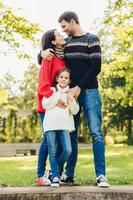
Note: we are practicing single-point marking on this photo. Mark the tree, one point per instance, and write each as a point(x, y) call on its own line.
point(15, 31)
point(8, 82)
point(28, 89)
point(8, 92)
point(13, 28)
point(117, 75)
point(3, 96)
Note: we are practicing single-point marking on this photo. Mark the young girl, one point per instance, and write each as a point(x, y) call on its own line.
point(58, 122)
point(48, 71)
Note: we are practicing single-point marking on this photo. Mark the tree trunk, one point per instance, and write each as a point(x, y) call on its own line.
point(130, 133)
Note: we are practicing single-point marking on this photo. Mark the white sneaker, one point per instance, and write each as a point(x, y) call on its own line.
point(48, 182)
point(65, 179)
point(55, 182)
point(102, 181)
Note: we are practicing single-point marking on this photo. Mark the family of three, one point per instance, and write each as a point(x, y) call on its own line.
point(68, 83)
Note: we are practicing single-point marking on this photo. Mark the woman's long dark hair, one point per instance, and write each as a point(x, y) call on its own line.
point(47, 39)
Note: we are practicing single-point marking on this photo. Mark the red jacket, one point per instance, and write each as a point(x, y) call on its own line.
point(47, 74)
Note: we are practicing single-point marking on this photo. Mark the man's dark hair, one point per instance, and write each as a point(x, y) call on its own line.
point(47, 39)
point(68, 15)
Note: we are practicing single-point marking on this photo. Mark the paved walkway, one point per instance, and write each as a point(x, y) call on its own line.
point(84, 146)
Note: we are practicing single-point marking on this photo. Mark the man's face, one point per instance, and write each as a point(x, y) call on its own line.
point(67, 27)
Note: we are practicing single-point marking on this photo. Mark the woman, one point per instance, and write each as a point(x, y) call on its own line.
point(53, 40)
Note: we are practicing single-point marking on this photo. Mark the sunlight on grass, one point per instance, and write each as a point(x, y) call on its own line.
point(112, 154)
point(85, 156)
point(30, 158)
point(112, 170)
point(27, 168)
point(21, 171)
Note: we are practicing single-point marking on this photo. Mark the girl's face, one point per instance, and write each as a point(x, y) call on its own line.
point(63, 79)
point(59, 40)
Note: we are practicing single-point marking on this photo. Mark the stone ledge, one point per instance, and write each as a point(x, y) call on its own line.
point(67, 193)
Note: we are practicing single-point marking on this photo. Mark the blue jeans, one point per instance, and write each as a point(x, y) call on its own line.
point(57, 161)
point(43, 151)
point(90, 101)
point(71, 163)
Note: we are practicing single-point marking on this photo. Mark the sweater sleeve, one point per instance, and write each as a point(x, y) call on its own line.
point(94, 51)
point(73, 107)
point(44, 85)
point(50, 102)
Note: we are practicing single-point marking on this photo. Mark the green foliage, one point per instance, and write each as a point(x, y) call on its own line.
point(11, 124)
point(84, 134)
point(109, 140)
point(20, 127)
point(28, 88)
point(121, 139)
point(117, 74)
point(3, 96)
point(7, 84)
point(21, 121)
point(13, 28)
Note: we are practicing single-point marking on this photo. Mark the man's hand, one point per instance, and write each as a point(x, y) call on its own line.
point(70, 96)
point(47, 54)
point(61, 104)
point(76, 91)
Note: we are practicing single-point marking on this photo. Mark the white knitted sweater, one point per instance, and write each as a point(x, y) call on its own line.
point(59, 118)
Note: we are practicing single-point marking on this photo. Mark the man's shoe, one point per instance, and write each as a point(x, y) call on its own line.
point(50, 177)
point(102, 181)
point(55, 182)
point(65, 179)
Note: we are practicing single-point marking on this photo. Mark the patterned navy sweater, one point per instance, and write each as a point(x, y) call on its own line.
point(83, 58)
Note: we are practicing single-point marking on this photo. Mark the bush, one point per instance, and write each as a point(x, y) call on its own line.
point(121, 139)
point(109, 140)
point(21, 127)
point(117, 136)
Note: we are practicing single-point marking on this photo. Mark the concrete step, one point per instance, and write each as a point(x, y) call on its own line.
point(67, 193)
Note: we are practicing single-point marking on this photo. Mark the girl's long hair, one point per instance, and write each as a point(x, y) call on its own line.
point(47, 39)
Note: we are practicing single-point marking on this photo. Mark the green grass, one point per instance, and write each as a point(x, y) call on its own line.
point(21, 171)
point(119, 162)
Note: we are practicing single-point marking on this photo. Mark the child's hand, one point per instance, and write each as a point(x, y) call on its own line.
point(71, 96)
point(61, 104)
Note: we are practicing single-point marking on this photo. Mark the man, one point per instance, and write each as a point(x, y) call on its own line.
point(83, 57)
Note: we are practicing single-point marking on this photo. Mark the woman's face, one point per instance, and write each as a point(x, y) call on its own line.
point(59, 40)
